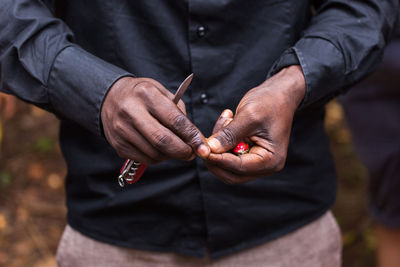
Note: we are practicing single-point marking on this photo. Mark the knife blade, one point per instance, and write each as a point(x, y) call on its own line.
point(182, 88)
point(132, 170)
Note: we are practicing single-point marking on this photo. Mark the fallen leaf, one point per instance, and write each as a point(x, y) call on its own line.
point(3, 222)
point(35, 171)
point(54, 181)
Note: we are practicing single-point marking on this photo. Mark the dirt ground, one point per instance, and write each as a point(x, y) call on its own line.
point(32, 199)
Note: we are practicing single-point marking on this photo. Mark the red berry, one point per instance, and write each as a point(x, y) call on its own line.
point(241, 148)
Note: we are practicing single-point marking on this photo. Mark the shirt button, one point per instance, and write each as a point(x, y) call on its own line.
point(204, 98)
point(201, 31)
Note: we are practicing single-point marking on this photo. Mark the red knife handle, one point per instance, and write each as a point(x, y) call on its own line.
point(138, 174)
point(131, 172)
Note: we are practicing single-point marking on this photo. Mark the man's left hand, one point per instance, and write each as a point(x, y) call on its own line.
point(264, 118)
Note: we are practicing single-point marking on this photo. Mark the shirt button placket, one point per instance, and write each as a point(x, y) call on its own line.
point(204, 98)
point(199, 52)
point(201, 31)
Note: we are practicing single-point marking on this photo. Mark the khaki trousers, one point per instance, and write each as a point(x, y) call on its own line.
point(317, 244)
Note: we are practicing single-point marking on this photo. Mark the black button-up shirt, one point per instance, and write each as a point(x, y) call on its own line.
point(67, 65)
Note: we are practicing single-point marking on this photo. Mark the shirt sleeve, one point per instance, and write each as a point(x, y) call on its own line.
point(343, 43)
point(40, 64)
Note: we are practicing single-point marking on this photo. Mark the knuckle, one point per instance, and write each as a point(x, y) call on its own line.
point(188, 132)
point(263, 133)
point(143, 89)
point(123, 108)
point(121, 130)
point(193, 136)
point(136, 121)
point(227, 137)
point(178, 121)
point(161, 141)
point(117, 144)
point(118, 127)
point(254, 118)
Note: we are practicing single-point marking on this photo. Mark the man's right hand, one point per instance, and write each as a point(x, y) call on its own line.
point(142, 123)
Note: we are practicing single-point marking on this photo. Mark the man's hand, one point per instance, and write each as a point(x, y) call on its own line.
point(264, 118)
point(142, 123)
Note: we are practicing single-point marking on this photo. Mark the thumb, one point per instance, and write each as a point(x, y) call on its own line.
point(228, 137)
point(223, 120)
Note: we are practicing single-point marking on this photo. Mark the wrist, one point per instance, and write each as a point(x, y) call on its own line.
point(291, 86)
point(121, 89)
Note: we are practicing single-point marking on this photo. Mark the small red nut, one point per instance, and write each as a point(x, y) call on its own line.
point(241, 148)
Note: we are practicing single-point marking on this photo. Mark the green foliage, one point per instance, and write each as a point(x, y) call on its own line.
point(44, 144)
point(5, 178)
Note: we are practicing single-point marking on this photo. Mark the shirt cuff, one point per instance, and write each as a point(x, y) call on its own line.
point(78, 84)
point(288, 58)
point(322, 65)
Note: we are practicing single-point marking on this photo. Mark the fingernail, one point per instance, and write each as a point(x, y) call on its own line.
point(214, 144)
point(225, 114)
point(227, 122)
point(203, 151)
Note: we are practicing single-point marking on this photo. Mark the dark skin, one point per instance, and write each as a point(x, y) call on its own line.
point(141, 122)
point(264, 117)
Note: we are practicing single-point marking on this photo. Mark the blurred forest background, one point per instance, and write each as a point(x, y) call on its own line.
point(32, 198)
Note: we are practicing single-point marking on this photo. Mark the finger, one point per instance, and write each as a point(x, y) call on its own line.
point(258, 161)
point(228, 177)
point(229, 120)
point(223, 120)
point(181, 105)
point(137, 140)
point(228, 137)
point(171, 96)
point(162, 138)
point(172, 118)
point(127, 150)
